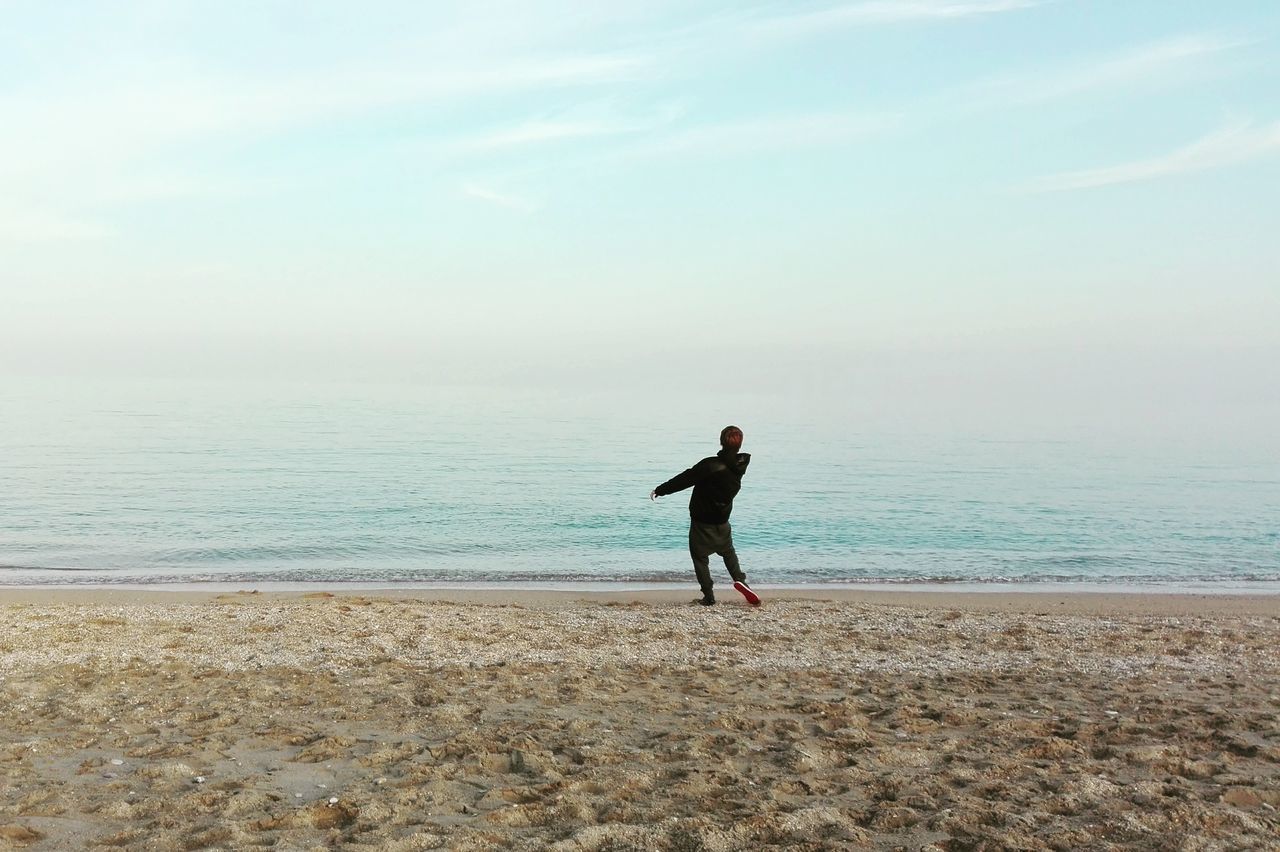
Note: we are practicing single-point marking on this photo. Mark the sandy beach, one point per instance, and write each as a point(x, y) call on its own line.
point(634, 721)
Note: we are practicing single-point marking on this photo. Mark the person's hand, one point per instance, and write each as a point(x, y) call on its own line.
point(653, 495)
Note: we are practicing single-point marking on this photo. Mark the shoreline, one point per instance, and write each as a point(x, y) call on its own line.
point(1065, 602)
point(1114, 586)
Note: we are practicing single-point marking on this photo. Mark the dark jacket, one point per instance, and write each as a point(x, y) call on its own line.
point(715, 480)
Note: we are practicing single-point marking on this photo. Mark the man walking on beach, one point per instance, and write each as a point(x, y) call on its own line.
point(716, 481)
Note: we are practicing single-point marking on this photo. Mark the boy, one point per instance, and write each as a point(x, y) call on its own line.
point(715, 480)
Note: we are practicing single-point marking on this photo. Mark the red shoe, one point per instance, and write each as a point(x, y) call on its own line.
point(752, 597)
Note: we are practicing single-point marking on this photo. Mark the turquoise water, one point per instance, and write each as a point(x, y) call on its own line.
point(202, 483)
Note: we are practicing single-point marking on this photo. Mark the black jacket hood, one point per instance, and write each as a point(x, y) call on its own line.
point(737, 462)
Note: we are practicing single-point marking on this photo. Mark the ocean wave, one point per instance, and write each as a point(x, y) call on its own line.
point(56, 568)
point(37, 576)
point(1055, 579)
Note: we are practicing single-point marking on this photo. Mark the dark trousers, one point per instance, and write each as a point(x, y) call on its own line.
point(706, 539)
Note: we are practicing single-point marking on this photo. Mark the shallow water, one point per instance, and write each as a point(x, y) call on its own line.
point(147, 483)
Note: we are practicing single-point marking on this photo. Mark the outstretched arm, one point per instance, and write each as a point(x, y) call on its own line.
point(679, 482)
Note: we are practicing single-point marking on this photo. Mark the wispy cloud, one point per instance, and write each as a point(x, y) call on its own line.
point(765, 28)
point(766, 133)
point(25, 225)
point(132, 116)
point(1233, 144)
point(85, 148)
point(1154, 61)
point(570, 125)
point(542, 130)
point(879, 12)
point(506, 200)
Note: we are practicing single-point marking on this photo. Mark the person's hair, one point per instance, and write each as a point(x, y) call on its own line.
point(731, 438)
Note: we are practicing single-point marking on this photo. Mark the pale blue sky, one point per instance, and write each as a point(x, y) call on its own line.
point(488, 191)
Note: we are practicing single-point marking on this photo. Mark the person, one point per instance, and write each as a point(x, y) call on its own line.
point(716, 481)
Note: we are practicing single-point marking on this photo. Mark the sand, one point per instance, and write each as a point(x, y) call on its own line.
point(634, 721)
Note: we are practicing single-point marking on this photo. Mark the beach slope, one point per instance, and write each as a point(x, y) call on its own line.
point(634, 721)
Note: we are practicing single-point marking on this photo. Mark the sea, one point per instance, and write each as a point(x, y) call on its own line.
point(295, 485)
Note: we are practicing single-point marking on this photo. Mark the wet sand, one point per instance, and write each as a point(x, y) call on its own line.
point(634, 721)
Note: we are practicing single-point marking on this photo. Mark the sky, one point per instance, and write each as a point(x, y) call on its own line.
point(990, 198)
